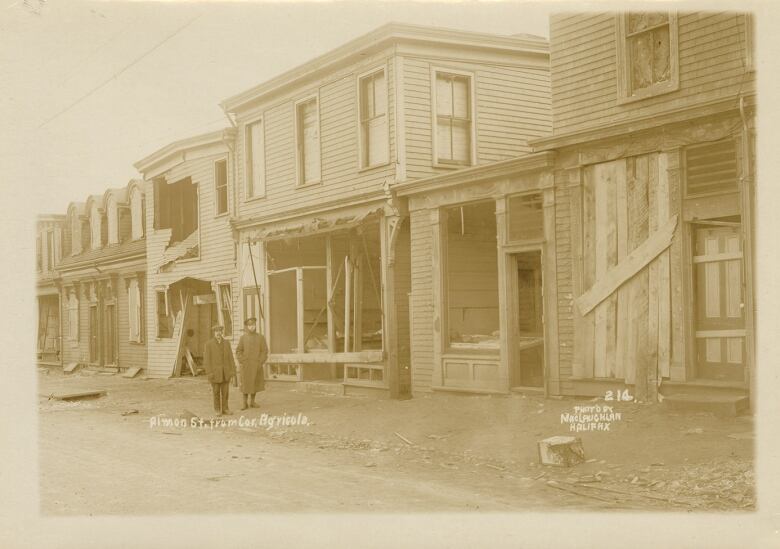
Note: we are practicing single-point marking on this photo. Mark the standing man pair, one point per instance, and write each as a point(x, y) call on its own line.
point(220, 366)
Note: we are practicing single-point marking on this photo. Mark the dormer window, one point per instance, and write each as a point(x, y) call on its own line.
point(647, 55)
point(136, 214)
point(112, 216)
point(95, 227)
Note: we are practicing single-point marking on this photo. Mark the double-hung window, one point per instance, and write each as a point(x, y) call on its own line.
point(454, 119)
point(73, 316)
point(254, 140)
point(374, 141)
point(134, 304)
point(647, 54)
point(307, 138)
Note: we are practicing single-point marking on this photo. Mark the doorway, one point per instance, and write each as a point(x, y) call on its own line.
point(719, 300)
point(94, 349)
point(109, 334)
point(527, 363)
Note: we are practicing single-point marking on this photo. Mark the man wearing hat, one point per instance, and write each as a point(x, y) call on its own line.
point(220, 367)
point(251, 352)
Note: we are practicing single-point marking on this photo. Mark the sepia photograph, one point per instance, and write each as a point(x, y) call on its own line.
point(339, 261)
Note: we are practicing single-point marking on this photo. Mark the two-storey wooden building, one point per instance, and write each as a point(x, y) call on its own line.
point(191, 254)
point(103, 280)
point(48, 253)
point(653, 130)
point(318, 151)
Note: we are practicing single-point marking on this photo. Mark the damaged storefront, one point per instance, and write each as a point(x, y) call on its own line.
point(483, 277)
point(320, 286)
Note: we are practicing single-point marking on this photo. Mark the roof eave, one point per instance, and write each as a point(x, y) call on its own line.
point(161, 155)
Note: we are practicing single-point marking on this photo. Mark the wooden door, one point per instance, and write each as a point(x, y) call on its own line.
point(720, 309)
point(109, 334)
point(94, 334)
point(528, 367)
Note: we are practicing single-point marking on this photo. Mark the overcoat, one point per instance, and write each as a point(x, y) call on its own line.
point(218, 361)
point(251, 352)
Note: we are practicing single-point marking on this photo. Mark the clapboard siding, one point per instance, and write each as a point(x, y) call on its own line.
point(512, 106)
point(130, 354)
point(564, 260)
point(422, 301)
point(712, 65)
point(216, 262)
point(342, 175)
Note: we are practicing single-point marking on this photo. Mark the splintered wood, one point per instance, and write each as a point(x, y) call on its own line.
point(561, 451)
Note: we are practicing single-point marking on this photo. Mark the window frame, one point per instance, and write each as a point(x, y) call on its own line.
point(95, 224)
point(299, 156)
point(161, 290)
point(217, 187)
point(221, 308)
point(362, 148)
point(250, 192)
point(625, 92)
point(137, 233)
point(73, 305)
point(436, 162)
point(139, 307)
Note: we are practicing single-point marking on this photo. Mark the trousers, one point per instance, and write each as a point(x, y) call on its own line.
point(221, 392)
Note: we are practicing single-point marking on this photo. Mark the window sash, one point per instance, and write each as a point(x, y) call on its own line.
point(454, 144)
point(373, 119)
point(225, 308)
point(136, 214)
point(308, 146)
point(255, 151)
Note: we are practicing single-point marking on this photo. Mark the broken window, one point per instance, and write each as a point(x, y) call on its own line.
point(299, 274)
point(254, 141)
point(526, 217)
point(471, 270)
point(136, 214)
point(453, 119)
point(649, 45)
point(373, 119)
point(164, 315)
point(176, 208)
point(220, 186)
point(225, 308)
point(307, 125)
point(134, 304)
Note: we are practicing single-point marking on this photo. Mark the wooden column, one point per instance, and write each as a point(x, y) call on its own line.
point(677, 298)
point(746, 170)
point(550, 290)
point(329, 294)
point(575, 197)
point(389, 226)
point(503, 295)
point(438, 267)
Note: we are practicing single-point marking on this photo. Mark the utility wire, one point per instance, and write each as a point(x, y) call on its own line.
point(120, 72)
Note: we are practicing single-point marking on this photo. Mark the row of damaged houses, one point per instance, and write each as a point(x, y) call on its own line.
point(433, 210)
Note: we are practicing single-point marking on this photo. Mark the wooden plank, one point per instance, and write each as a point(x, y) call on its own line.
point(614, 169)
point(636, 261)
point(601, 197)
point(622, 312)
point(664, 279)
point(577, 268)
point(651, 354)
point(347, 302)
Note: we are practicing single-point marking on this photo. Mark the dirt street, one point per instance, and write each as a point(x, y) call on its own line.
point(435, 453)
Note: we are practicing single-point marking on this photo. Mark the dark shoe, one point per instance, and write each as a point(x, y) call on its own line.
point(254, 405)
point(227, 413)
point(244, 407)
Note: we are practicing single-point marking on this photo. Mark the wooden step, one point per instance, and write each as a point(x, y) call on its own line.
point(718, 404)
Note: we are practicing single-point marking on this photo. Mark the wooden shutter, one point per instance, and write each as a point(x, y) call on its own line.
point(711, 168)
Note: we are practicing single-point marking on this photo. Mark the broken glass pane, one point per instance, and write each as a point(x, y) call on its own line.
point(641, 61)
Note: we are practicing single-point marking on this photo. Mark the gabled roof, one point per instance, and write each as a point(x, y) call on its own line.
point(169, 152)
point(381, 37)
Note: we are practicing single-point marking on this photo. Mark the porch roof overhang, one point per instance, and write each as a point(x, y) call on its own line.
point(605, 130)
point(314, 223)
point(478, 174)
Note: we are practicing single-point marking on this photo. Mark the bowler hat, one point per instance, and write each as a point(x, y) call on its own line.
point(250, 320)
point(216, 327)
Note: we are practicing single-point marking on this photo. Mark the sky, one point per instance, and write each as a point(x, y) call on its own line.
point(89, 88)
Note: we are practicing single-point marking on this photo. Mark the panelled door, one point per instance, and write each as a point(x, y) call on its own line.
point(720, 309)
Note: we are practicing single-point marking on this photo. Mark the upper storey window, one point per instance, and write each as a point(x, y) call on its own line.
point(647, 55)
point(136, 214)
point(112, 214)
point(220, 187)
point(454, 134)
point(254, 141)
point(95, 219)
point(373, 119)
point(307, 138)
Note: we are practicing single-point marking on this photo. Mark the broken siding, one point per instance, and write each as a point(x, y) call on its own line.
point(342, 176)
point(421, 301)
point(216, 262)
point(512, 106)
point(712, 65)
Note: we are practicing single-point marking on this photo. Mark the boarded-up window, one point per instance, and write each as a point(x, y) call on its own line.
point(225, 308)
point(220, 186)
point(137, 214)
point(73, 316)
point(453, 119)
point(308, 141)
point(134, 310)
point(647, 53)
point(373, 119)
point(526, 217)
point(255, 154)
point(711, 168)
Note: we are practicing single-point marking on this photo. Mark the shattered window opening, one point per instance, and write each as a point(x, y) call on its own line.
point(648, 48)
point(176, 208)
point(471, 273)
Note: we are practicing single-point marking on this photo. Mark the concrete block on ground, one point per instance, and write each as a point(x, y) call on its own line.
point(561, 451)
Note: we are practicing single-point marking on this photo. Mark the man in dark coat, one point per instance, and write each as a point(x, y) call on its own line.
point(220, 367)
point(251, 352)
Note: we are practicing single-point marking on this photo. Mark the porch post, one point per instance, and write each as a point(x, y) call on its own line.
point(503, 295)
point(389, 313)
